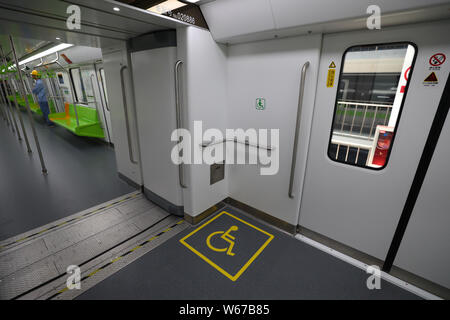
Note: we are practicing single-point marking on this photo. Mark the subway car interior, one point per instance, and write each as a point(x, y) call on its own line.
point(224, 150)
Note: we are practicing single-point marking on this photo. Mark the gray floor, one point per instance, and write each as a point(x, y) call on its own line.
point(34, 264)
point(82, 173)
point(286, 269)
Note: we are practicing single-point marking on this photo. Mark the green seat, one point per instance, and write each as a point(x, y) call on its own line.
point(89, 124)
point(34, 107)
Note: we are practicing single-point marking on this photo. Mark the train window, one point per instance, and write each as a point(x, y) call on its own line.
point(77, 81)
point(60, 78)
point(103, 85)
point(372, 87)
point(88, 85)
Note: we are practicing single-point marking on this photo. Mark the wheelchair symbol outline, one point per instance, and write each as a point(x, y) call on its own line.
point(225, 236)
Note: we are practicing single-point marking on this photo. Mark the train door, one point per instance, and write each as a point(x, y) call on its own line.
point(88, 92)
point(123, 116)
point(425, 246)
point(377, 94)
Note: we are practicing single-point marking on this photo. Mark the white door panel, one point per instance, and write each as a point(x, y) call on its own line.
point(153, 73)
point(425, 247)
point(125, 135)
point(357, 206)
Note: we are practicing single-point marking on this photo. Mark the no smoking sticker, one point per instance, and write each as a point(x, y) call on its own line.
point(436, 60)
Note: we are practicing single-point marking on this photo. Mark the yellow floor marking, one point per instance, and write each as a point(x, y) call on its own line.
point(65, 289)
point(116, 259)
point(221, 270)
point(93, 272)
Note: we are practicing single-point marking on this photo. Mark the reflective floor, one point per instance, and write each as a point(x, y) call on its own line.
point(82, 173)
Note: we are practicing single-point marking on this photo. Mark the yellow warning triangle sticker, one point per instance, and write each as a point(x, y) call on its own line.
point(431, 78)
point(332, 65)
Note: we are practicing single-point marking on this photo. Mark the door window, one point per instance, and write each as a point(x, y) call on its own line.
point(371, 91)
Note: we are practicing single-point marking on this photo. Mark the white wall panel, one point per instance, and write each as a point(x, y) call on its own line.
point(271, 70)
point(204, 80)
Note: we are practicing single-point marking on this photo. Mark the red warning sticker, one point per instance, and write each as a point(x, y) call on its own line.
point(436, 60)
point(431, 80)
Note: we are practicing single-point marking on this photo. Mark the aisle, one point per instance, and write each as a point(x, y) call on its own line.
point(82, 173)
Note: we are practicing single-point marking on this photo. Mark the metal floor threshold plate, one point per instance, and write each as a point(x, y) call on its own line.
point(100, 241)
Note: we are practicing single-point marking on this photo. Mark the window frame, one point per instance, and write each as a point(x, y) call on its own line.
point(103, 87)
point(74, 87)
point(413, 63)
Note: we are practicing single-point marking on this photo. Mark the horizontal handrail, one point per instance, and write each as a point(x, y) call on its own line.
point(366, 104)
point(206, 144)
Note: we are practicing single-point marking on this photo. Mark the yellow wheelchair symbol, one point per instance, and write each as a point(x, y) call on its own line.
point(225, 236)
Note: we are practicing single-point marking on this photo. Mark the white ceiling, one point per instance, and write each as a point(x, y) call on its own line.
point(235, 21)
point(100, 25)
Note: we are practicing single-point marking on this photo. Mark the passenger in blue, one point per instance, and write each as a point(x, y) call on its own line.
point(39, 91)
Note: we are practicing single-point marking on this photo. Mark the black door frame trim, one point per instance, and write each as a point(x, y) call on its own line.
point(419, 177)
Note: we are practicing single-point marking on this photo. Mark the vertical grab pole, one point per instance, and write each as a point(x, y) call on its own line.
point(179, 121)
point(27, 103)
point(4, 111)
point(9, 106)
point(72, 89)
point(297, 128)
point(28, 87)
point(24, 132)
point(12, 109)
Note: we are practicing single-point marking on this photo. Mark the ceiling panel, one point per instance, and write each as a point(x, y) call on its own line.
point(100, 25)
